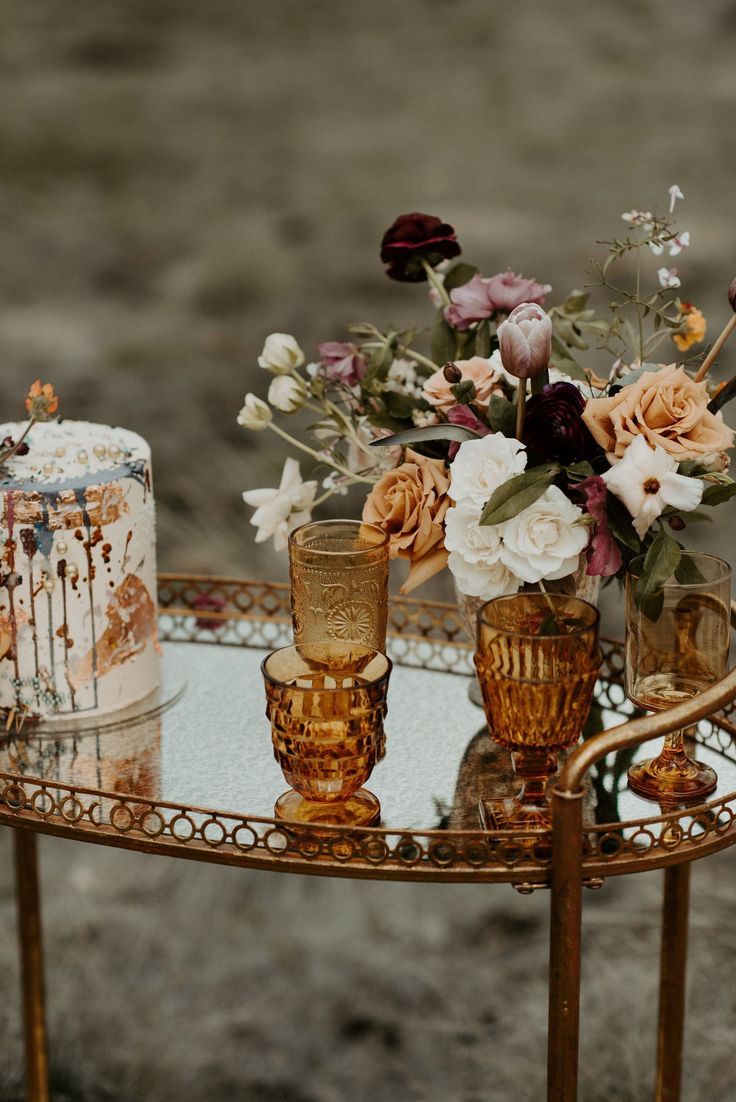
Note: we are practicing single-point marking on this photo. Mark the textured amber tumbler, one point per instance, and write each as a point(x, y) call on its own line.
point(537, 659)
point(672, 654)
point(326, 703)
point(339, 582)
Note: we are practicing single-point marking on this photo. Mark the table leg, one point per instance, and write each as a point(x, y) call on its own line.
point(566, 913)
point(673, 961)
point(31, 958)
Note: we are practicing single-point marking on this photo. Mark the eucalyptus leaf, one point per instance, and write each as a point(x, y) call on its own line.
point(563, 361)
point(519, 492)
point(442, 340)
point(636, 374)
point(458, 275)
point(456, 433)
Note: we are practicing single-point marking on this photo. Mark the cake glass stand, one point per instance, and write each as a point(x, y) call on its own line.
point(197, 779)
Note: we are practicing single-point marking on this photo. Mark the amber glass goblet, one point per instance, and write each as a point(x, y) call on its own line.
point(537, 659)
point(326, 703)
point(672, 655)
point(339, 582)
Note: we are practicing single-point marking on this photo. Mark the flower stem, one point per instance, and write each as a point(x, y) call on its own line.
point(520, 410)
point(718, 345)
point(436, 283)
point(320, 458)
point(418, 358)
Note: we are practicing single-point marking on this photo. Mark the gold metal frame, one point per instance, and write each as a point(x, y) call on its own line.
point(429, 635)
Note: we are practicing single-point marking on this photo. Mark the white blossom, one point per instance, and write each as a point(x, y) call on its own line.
point(255, 414)
point(481, 466)
point(278, 511)
point(423, 418)
point(674, 194)
point(287, 393)
point(668, 278)
point(677, 244)
point(646, 480)
point(641, 218)
point(545, 540)
point(281, 354)
point(402, 378)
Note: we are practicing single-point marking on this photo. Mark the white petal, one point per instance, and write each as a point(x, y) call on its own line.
point(648, 513)
point(681, 492)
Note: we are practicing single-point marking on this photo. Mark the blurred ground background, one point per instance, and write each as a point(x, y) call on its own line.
point(179, 179)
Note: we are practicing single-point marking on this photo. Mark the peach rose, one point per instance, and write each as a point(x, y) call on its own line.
point(410, 503)
point(668, 408)
point(438, 391)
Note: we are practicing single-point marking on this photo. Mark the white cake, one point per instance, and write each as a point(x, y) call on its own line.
point(77, 572)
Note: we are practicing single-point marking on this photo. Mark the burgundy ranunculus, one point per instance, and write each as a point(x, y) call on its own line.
point(554, 429)
point(463, 415)
point(413, 238)
point(603, 553)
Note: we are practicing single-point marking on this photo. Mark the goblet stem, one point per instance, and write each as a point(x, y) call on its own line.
point(533, 767)
point(672, 773)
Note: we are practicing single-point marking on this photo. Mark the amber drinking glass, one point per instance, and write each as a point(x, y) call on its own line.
point(537, 660)
point(326, 703)
point(339, 582)
point(673, 656)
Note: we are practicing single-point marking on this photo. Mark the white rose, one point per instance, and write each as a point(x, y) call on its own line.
point(287, 393)
point(474, 542)
point(544, 541)
point(255, 414)
point(481, 466)
point(481, 579)
point(281, 354)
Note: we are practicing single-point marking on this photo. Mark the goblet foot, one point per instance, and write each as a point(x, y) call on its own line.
point(360, 809)
point(513, 811)
point(672, 777)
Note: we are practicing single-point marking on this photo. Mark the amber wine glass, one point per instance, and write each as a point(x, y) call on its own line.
point(326, 703)
point(339, 582)
point(671, 656)
point(538, 659)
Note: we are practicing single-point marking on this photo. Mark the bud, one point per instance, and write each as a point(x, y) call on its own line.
point(732, 295)
point(677, 524)
point(287, 393)
point(525, 341)
point(281, 354)
point(255, 414)
point(452, 373)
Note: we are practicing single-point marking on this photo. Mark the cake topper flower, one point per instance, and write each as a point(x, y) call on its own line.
point(41, 405)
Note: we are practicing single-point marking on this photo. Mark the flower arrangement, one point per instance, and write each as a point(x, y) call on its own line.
point(489, 442)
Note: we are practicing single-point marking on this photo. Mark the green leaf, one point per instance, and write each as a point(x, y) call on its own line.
point(716, 495)
point(457, 433)
point(401, 406)
point(458, 275)
point(483, 340)
point(687, 573)
point(620, 525)
point(464, 392)
point(725, 394)
point(519, 492)
point(443, 341)
point(579, 471)
point(563, 361)
point(502, 415)
point(661, 562)
point(636, 374)
point(540, 381)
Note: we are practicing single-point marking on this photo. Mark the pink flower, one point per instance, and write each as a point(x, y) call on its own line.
point(484, 298)
point(603, 553)
point(343, 362)
point(463, 415)
point(525, 341)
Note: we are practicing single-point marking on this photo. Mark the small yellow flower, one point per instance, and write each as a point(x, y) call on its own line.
point(41, 402)
point(696, 327)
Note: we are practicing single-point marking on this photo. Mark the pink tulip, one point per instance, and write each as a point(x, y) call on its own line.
point(525, 341)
